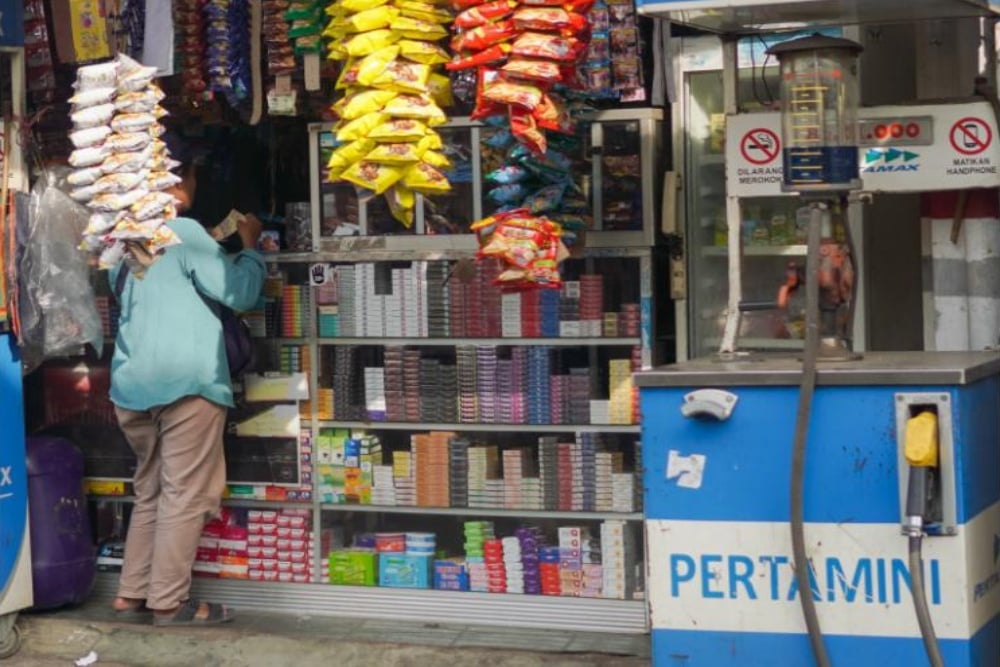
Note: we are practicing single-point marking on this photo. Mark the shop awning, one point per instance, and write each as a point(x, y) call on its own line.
point(749, 16)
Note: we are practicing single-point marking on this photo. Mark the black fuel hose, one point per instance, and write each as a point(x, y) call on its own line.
point(919, 594)
point(797, 484)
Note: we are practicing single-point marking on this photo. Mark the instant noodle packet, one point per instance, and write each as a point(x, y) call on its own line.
point(401, 201)
point(423, 52)
point(373, 176)
point(360, 128)
point(359, 103)
point(425, 179)
point(365, 43)
point(412, 28)
point(398, 129)
point(395, 154)
point(419, 107)
point(404, 77)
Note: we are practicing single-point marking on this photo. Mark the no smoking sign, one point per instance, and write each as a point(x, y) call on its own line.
point(760, 146)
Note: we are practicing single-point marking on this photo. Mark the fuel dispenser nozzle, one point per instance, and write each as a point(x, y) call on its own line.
point(920, 449)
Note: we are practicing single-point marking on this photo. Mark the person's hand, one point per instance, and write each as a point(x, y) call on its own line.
point(249, 229)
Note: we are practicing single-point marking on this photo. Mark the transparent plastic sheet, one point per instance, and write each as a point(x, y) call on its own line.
point(57, 307)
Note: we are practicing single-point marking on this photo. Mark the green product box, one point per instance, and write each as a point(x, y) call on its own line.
point(353, 567)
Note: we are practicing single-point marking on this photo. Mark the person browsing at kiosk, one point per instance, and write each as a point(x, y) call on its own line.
point(170, 384)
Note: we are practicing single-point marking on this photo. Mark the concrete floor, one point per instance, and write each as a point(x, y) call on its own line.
point(266, 640)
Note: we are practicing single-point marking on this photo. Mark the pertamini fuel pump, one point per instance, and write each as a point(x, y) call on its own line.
point(820, 95)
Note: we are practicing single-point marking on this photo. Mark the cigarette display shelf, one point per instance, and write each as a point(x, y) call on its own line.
point(483, 512)
point(452, 342)
point(482, 427)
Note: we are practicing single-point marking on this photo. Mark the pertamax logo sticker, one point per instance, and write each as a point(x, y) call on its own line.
point(889, 160)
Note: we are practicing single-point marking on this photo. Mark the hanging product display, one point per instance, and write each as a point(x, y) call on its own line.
point(525, 55)
point(625, 48)
point(190, 25)
point(121, 167)
point(528, 245)
point(227, 34)
point(41, 78)
point(280, 55)
point(390, 98)
point(213, 47)
point(305, 23)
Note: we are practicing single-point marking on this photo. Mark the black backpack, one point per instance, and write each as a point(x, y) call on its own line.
point(240, 349)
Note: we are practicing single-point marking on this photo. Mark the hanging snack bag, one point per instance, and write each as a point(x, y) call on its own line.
point(373, 176)
point(102, 75)
point(91, 136)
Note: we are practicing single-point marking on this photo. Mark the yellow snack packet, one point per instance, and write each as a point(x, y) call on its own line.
point(425, 179)
point(372, 19)
point(436, 159)
point(348, 75)
point(350, 153)
point(397, 154)
point(365, 43)
point(360, 128)
point(401, 202)
point(431, 142)
point(439, 87)
point(412, 28)
point(420, 51)
point(398, 129)
point(357, 104)
point(420, 107)
point(352, 6)
point(336, 51)
point(373, 65)
point(404, 77)
point(424, 12)
point(335, 10)
point(373, 176)
point(333, 175)
point(336, 29)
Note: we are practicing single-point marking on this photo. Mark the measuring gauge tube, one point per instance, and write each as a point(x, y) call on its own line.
point(819, 113)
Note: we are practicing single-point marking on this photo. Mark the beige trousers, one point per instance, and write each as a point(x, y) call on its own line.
point(179, 480)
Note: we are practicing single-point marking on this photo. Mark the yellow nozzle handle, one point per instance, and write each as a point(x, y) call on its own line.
point(921, 441)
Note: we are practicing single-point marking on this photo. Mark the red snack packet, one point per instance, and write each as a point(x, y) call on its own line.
point(579, 6)
point(491, 11)
point(495, 53)
point(484, 36)
point(485, 108)
point(551, 47)
point(533, 70)
point(525, 130)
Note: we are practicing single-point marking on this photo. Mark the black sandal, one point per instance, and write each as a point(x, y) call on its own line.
point(186, 615)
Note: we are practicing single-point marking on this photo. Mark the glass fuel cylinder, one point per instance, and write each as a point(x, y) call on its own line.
point(819, 126)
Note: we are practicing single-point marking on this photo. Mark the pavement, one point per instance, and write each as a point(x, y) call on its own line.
point(254, 639)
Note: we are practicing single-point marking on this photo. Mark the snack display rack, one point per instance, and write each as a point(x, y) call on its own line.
point(621, 250)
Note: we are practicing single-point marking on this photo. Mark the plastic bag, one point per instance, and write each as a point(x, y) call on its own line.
point(58, 312)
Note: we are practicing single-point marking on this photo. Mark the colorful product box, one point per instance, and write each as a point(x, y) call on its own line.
point(404, 571)
point(353, 567)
